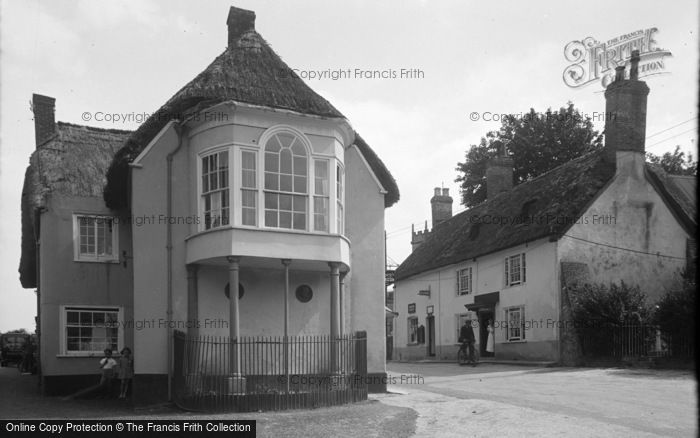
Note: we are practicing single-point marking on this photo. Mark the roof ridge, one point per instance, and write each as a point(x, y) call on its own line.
point(94, 128)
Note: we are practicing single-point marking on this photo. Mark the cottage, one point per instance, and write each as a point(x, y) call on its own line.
point(246, 208)
point(604, 217)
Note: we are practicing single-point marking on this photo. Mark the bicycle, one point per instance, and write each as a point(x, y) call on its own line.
point(463, 356)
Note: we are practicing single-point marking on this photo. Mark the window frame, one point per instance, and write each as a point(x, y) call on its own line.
point(230, 187)
point(63, 329)
point(96, 258)
point(521, 311)
point(522, 270)
point(460, 289)
point(340, 198)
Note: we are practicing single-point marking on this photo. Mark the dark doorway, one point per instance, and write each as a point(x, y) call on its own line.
point(430, 321)
point(484, 316)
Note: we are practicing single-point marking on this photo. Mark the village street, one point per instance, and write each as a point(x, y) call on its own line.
point(507, 400)
point(444, 400)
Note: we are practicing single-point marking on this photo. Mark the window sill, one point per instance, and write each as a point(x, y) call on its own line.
point(105, 260)
point(85, 356)
point(517, 341)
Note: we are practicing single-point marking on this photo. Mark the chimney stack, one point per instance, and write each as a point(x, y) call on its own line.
point(499, 173)
point(441, 205)
point(44, 109)
point(626, 111)
point(239, 21)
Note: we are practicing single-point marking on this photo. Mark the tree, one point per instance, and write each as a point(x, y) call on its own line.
point(598, 306)
point(675, 163)
point(537, 142)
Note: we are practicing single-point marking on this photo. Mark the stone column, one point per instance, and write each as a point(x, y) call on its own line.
point(236, 382)
point(286, 263)
point(335, 314)
point(342, 302)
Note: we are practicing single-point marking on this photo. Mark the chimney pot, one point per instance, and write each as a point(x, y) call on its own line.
point(437, 191)
point(445, 192)
point(619, 73)
point(634, 68)
point(239, 21)
point(44, 108)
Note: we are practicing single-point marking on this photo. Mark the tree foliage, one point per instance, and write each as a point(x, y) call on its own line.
point(599, 305)
point(537, 142)
point(675, 311)
point(675, 163)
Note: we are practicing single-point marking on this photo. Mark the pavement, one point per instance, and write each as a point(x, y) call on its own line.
point(512, 401)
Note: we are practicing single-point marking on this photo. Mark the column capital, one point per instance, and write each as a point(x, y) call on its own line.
point(192, 269)
point(335, 267)
point(286, 262)
point(233, 260)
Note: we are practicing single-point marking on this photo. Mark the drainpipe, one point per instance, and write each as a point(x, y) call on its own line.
point(179, 129)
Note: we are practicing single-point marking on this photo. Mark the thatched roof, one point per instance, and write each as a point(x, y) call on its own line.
point(73, 163)
point(248, 71)
point(552, 202)
point(560, 195)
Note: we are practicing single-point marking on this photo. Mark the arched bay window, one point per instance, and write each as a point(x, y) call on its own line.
point(283, 184)
point(286, 182)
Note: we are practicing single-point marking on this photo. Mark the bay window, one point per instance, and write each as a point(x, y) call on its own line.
point(282, 185)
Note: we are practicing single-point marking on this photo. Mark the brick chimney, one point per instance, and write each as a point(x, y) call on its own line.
point(44, 109)
point(441, 205)
point(499, 173)
point(626, 114)
point(239, 21)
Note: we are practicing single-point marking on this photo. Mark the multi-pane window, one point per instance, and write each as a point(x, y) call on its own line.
point(413, 330)
point(464, 281)
point(340, 196)
point(249, 188)
point(515, 328)
point(91, 330)
point(215, 189)
point(286, 187)
point(321, 195)
point(95, 238)
point(515, 269)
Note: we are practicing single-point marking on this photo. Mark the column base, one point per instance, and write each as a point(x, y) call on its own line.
point(236, 385)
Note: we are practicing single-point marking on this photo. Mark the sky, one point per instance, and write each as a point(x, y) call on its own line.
point(466, 63)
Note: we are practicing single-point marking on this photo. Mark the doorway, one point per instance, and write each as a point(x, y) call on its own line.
point(430, 322)
point(484, 316)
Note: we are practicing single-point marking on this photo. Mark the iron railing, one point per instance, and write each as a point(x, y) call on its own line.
point(634, 341)
point(299, 372)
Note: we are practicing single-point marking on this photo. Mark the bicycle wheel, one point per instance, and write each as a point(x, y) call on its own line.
point(461, 357)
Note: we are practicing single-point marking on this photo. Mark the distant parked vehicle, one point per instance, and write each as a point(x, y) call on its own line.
point(12, 347)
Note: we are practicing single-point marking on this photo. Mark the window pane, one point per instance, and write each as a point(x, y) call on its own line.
point(299, 221)
point(300, 204)
point(272, 145)
point(72, 317)
point(271, 201)
point(286, 202)
point(298, 148)
point(285, 139)
point(285, 219)
point(300, 166)
point(285, 183)
point(286, 161)
point(270, 218)
point(249, 217)
point(300, 184)
point(272, 181)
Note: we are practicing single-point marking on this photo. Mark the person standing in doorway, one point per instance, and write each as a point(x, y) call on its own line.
point(126, 371)
point(490, 339)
